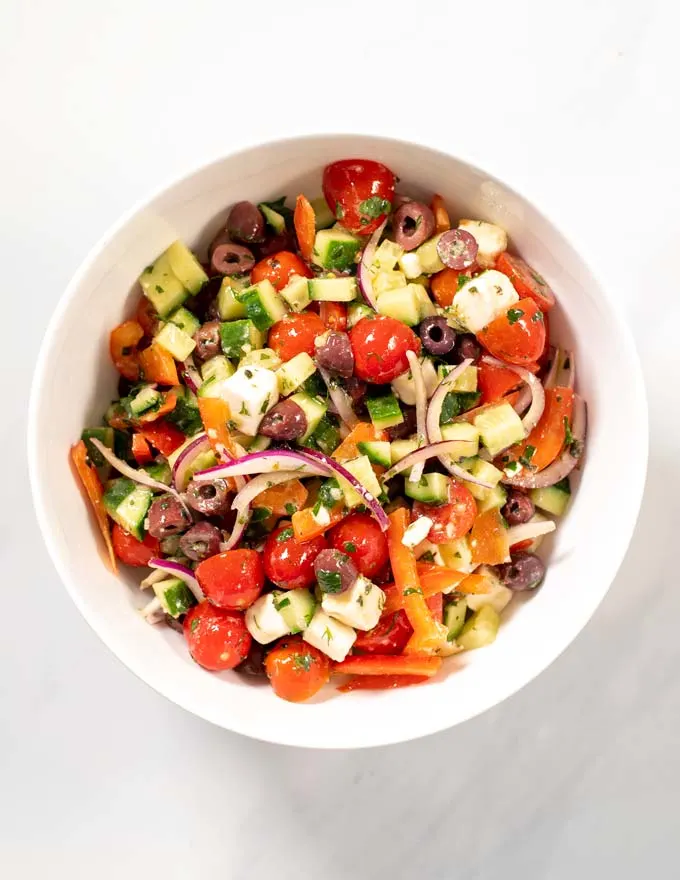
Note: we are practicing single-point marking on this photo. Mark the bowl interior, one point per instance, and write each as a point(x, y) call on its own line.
point(75, 381)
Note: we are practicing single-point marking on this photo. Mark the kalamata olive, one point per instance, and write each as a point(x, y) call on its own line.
point(412, 224)
point(356, 388)
point(437, 337)
point(282, 241)
point(335, 572)
point(457, 249)
point(254, 662)
point(207, 339)
point(407, 427)
point(524, 572)
point(174, 623)
point(167, 517)
point(518, 508)
point(210, 499)
point(286, 421)
point(245, 223)
point(232, 259)
point(333, 352)
point(467, 347)
point(201, 541)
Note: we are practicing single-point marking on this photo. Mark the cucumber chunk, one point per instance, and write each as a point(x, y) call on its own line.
point(356, 311)
point(146, 399)
point(262, 357)
point(162, 287)
point(499, 427)
point(457, 402)
point(430, 488)
point(454, 618)
point(263, 305)
point(404, 386)
point(326, 437)
point(240, 337)
point(468, 436)
point(491, 498)
point(401, 448)
point(378, 451)
point(428, 256)
point(217, 367)
point(314, 409)
point(498, 595)
point(552, 499)
point(128, 504)
point(175, 341)
point(388, 279)
point(465, 381)
point(159, 470)
point(335, 249)
point(174, 595)
point(387, 255)
point(105, 436)
point(228, 307)
point(296, 607)
point(274, 219)
point(186, 267)
point(401, 304)
point(294, 373)
point(186, 414)
point(480, 630)
point(296, 293)
point(333, 289)
point(323, 216)
point(361, 469)
point(384, 411)
point(185, 320)
point(457, 555)
point(426, 307)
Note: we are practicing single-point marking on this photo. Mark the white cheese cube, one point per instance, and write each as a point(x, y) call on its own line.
point(482, 299)
point(264, 622)
point(250, 392)
point(360, 606)
point(491, 240)
point(417, 531)
point(404, 386)
point(330, 636)
point(410, 265)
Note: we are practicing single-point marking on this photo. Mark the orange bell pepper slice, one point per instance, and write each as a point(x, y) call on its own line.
point(364, 432)
point(215, 415)
point(305, 527)
point(444, 286)
point(94, 490)
point(141, 449)
point(305, 227)
point(147, 317)
point(428, 635)
point(164, 436)
point(169, 403)
point(381, 682)
point(548, 437)
point(158, 365)
point(389, 664)
point(283, 499)
point(489, 539)
point(435, 579)
point(123, 344)
point(441, 215)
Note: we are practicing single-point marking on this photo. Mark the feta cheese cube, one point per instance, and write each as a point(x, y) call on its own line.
point(360, 606)
point(417, 531)
point(482, 299)
point(250, 392)
point(264, 622)
point(330, 636)
point(491, 240)
point(410, 265)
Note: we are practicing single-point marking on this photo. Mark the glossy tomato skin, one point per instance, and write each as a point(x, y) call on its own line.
point(233, 579)
point(452, 520)
point(295, 333)
point(131, 551)
point(526, 281)
point(518, 335)
point(296, 670)
point(361, 538)
point(217, 638)
point(359, 192)
point(389, 636)
point(380, 344)
point(495, 382)
point(289, 563)
point(279, 269)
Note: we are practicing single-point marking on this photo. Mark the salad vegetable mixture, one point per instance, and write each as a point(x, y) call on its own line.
point(339, 442)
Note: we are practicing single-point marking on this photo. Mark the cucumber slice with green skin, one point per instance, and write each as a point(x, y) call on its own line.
point(430, 488)
point(294, 373)
point(404, 386)
point(454, 618)
point(217, 367)
point(326, 437)
point(185, 320)
point(401, 448)
point(175, 341)
point(174, 595)
point(105, 435)
point(323, 216)
point(146, 399)
point(465, 381)
point(484, 470)
point(333, 289)
point(228, 307)
point(457, 402)
point(314, 409)
point(186, 267)
point(378, 451)
point(480, 630)
point(273, 218)
point(335, 249)
point(162, 287)
point(387, 255)
point(297, 608)
point(356, 311)
point(262, 357)
point(553, 499)
point(468, 436)
point(384, 411)
point(499, 427)
point(401, 304)
point(360, 468)
point(492, 498)
point(426, 307)
point(428, 256)
point(259, 444)
point(128, 504)
point(315, 387)
point(186, 414)
point(159, 470)
point(296, 294)
point(240, 337)
point(263, 305)
point(388, 279)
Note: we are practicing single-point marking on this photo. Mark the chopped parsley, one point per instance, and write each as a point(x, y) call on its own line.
point(339, 211)
point(283, 603)
point(410, 590)
point(265, 406)
point(260, 513)
point(290, 508)
point(570, 441)
point(248, 374)
point(194, 624)
point(538, 278)
point(285, 535)
point(527, 455)
point(428, 556)
point(537, 317)
point(514, 315)
point(159, 289)
point(303, 661)
point(372, 208)
point(329, 581)
point(328, 635)
point(350, 547)
point(244, 411)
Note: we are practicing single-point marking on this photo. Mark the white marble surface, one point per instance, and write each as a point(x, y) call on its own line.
point(577, 105)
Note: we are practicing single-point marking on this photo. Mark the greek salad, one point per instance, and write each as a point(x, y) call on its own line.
point(338, 440)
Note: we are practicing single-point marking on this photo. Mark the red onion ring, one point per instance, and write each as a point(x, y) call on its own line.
point(529, 530)
point(341, 400)
point(264, 461)
point(419, 456)
point(364, 272)
point(186, 458)
point(153, 611)
point(180, 571)
point(421, 410)
point(190, 374)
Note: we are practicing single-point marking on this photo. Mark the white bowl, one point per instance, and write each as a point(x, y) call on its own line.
point(74, 382)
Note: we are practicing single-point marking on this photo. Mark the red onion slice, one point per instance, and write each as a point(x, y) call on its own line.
point(522, 403)
point(551, 375)
point(151, 579)
point(131, 473)
point(153, 611)
point(180, 470)
point(535, 411)
point(421, 410)
point(180, 571)
point(562, 466)
point(190, 374)
point(420, 456)
point(264, 461)
point(530, 530)
point(364, 272)
point(341, 399)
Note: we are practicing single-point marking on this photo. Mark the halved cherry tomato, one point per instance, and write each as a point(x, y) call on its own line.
point(495, 382)
point(123, 347)
point(295, 333)
point(217, 639)
point(451, 520)
point(388, 636)
point(140, 449)
point(361, 538)
point(545, 442)
point(131, 551)
point(279, 269)
point(147, 317)
point(380, 345)
point(158, 365)
point(305, 226)
point(359, 192)
point(283, 499)
point(233, 579)
point(444, 286)
point(441, 215)
point(165, 437)
point(334, 315)
point(296, 670)
point(381, 682)
point(289, 563)
point(526, 281)
point(518, 335)
point(489, 539)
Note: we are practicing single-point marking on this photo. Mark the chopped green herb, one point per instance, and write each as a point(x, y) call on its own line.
point(409, 590)
point(159, 289)
point(231, 424)
point(373, 207)
point(350, 547)
point(329, 581)
point(328, 635)
point(248, 373)
point(428, 556)
point(265, 406)
point(290, 508)
point(568, 436)
point(504, 522)
point(538, 316)
point(244, 411)
point(339, 211)
point(514, 315)
point(194, 624)
point(360, 601)
point(285, 535)
point(303, 661)
point(283, 603)
point(463, 279)
point(259, 514)
point(527, 455)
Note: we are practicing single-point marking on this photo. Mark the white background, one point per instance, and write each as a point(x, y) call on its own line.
point(576, 105)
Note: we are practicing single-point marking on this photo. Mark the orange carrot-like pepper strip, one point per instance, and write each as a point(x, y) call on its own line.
point(435, 579)
point(381, 682)
point(305, 526)
point(277, 498)
point(441, 215)
point(428, 635)
point(305, 227)
point(95, 494)
point(489, 539)
point(123, 348)
point(215, 414)
point(158, 365)
point(388, 664)
point(362, 433)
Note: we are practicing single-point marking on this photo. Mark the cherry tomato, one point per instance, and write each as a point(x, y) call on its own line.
point(147, 317)
point(289, 563)
point(359, 192)
point(380, 345)
point(295, 333)
point(140, 449)
point(279, 269)
point(217, 639)
point(296, 670)
point(495, 382)
point(388, 636)
point(131, 551)
point(123, 348)
point(525, 281)
point(452, 520)
point(334, 315)
point(233, 579)
point(445, 285)
point(164, 436)
point(361, 538)
point(547, 439)
point(518, 336)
